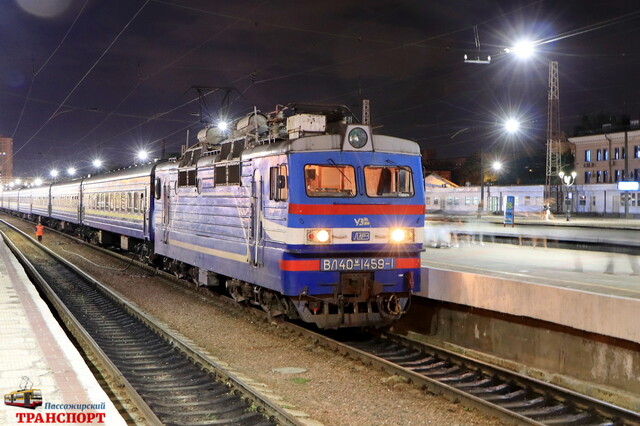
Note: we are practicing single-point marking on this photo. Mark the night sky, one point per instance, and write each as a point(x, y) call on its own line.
point(87, 78)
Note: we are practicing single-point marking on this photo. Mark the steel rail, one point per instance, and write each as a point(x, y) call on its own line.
point(196, 355)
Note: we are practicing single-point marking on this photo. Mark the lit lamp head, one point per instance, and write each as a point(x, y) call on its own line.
point(142, 155)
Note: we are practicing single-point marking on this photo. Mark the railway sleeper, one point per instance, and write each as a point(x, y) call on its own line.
point(245, 418)
point(545, 412)
point(457, 378)
point(580, 418)
point(536, 401)
point(520, 393)
point(501, 387)
point(187, 398)
point(210, 401)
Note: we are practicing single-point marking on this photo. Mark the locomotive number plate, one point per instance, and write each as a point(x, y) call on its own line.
point(357, 264)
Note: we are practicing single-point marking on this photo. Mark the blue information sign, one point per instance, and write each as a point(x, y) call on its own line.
point(508, 211)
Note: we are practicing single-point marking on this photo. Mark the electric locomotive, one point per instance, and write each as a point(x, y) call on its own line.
point(302, 212)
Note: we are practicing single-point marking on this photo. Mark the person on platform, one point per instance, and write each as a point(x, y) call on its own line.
point(39, 231)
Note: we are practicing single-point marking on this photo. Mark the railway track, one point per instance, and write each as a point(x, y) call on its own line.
point(507, 395)
point(164, 380)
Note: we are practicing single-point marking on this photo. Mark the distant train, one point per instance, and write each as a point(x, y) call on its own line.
point(27, 398)
point(300, 211)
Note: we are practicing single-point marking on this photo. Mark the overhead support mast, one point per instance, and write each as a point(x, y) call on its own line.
point(554, 136)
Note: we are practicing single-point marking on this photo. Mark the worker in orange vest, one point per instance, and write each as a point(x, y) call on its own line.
point(39, 231)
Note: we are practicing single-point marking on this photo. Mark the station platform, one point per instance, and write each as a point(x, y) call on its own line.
point(37, 353)
point(591, 291)
point(618, 232)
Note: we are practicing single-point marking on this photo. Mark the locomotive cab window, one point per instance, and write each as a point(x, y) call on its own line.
point(279, 187)
point(330, 180)
point(388, 181)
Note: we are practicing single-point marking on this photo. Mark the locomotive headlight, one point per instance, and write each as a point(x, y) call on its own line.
point(401, 235)
point(318, 236)
point(357, 137)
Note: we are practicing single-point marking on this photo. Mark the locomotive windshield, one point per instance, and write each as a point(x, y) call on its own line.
point(330, 180)
point(388, 181)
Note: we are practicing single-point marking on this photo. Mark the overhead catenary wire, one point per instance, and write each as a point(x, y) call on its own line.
point(60, 106)
point(37, 72)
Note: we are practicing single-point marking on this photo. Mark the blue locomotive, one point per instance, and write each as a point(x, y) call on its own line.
point(300, 211)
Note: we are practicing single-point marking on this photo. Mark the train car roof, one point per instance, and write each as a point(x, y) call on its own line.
point(129, 172)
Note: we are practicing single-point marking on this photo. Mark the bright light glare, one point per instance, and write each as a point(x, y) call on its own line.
point(323, 236)
point(496, 165)
point(512, 125)
point(54, 173)
point(398, 235)
point(71, 171)
point(97, 163)
point(37, 182)
point(222, 125)
point(523, 49)
point(143, 155)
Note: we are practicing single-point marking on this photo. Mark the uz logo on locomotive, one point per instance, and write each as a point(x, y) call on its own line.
point(362, 221)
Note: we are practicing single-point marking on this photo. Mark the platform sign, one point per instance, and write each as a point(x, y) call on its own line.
point(508, 211)
point(628, 185)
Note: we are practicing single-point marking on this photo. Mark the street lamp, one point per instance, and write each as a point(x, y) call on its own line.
point(567, 180)
point(142, 155)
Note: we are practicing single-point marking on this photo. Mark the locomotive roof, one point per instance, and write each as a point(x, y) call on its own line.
point(381, 143)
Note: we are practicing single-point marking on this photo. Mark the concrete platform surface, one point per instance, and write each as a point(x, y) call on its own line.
point(34, 346)
point(591, 291)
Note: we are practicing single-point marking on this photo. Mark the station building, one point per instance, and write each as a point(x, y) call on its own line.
point(608, 157)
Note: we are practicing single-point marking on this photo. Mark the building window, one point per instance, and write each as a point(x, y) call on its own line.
point(636, 151)
point(598, 176)
point(617, 176)
point(587, 177)
point(467, 201)
point(428, 201)
point(605, 176)
point(456, 201)
point(624, 152)
point(587, 155)
point(475, 201)
point(436, 201)
point(605, 154)
point(636, 174)
point(616, 153)
point(599, 155)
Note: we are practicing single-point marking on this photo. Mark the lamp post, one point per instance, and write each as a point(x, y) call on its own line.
point(567, 180)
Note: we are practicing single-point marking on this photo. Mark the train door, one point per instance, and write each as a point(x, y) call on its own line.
point(165, 211)
point(257, 240)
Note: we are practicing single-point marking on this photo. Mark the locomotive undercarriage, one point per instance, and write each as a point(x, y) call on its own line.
point(357, 300)
point(274, 304)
